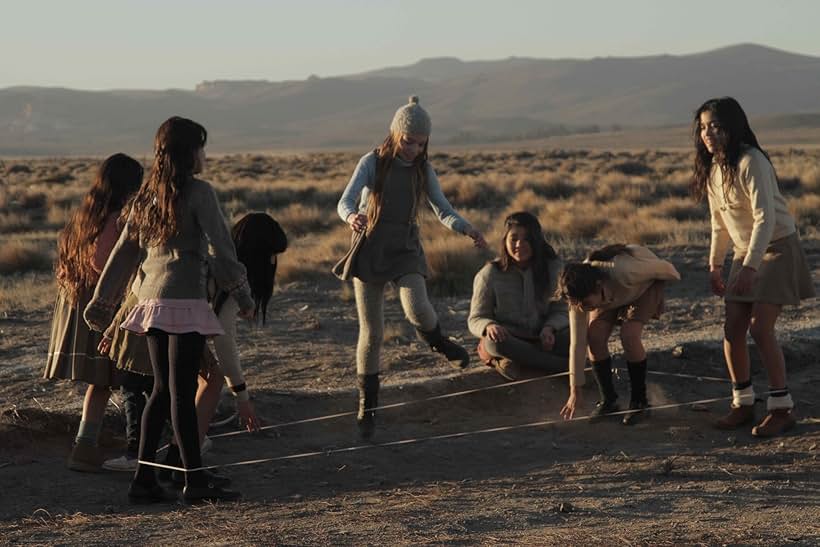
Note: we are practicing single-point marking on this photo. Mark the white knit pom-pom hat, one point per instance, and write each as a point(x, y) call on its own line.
point(411, 119)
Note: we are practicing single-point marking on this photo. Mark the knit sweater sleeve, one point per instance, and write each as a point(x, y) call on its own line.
point(444, 211)
point(357, 189)
point(482, 303)
point(758, 179)
point(117, 272)
point(229, 273)
point(641, 266)
point(720, 240)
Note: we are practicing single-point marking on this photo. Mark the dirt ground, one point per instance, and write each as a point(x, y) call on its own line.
point(670, 480)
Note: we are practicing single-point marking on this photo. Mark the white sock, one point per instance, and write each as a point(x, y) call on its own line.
point(743, 397)
point(775, 403)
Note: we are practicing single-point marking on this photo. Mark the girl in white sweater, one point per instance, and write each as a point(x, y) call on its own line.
point(768, 268)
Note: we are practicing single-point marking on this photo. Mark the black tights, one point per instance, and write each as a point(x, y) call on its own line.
point(175, 359)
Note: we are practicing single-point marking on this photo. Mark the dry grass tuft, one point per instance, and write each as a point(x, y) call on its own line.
point(18, 256)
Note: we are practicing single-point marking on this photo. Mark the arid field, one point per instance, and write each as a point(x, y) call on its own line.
point(670, 480)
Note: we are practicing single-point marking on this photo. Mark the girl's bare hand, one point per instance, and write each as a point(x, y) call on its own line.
point(496, 332)
point(358, 222)
point(247, 416)
point(478, 238)
point(247, 314)
point(573, 402)
point(104, 346)
point(716, 282)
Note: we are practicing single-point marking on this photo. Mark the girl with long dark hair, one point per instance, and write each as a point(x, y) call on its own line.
point(82, 249)
point(174, 218)
point(768, 269)
point(513, 311)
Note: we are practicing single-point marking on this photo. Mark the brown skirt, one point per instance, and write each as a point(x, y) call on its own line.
point(783, 277)
point(72, 349)
point(391, 250)
point(648, 305)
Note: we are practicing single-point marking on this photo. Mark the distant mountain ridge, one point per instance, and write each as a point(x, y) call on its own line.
point(470, 101)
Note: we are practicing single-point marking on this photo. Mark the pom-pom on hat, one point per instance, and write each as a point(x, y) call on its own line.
point(411, 119)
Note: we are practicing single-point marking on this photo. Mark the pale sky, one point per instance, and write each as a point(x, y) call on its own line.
point(159, 44)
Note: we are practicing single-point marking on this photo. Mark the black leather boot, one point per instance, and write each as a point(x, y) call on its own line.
point(638, 403)
point(602, 370)
point(455, 354)
point(368, 399)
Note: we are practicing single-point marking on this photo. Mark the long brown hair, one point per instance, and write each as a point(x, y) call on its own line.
point(734, 124)
point(385, 154)
point(157, 205)
point(117, 178)
point(542, 252)
point(257, 237)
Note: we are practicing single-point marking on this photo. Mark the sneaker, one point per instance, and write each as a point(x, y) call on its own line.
point(639, 410)
point(85, 458)
point(206, 446)
point(208, 493)
point(738, 416)
point(508, 369)
point(776, 422)
point(123, 463)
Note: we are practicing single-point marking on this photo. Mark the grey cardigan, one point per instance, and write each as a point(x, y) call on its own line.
point(176, 268)
point(508, 299)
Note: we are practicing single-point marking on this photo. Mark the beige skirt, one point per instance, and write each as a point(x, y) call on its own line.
point(783, 278)
point(72, 349)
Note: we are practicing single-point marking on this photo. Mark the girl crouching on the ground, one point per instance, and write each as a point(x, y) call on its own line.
point(513, 310)
point(381, 204)
point(617, 284)
point(83, 248)
point(768, 269)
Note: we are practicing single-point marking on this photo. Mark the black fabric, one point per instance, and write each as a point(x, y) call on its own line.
point(637, 381)
point(134, 389)
point(741, 385)
point(602, 370)
point(175, 359)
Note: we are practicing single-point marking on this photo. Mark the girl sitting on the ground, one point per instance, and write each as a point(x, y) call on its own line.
point(381, 202)
point(769, 268)
point(83, 247)
point(513, 310)
point(617, 284)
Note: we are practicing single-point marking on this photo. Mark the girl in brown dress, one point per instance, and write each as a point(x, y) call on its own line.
point(83, 247)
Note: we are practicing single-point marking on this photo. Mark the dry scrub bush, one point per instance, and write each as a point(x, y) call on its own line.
point(17, 256)
point(29, 292)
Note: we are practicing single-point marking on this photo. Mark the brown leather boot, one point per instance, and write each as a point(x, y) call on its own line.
point(738, 416)
point(85, 458)
point(776, 422)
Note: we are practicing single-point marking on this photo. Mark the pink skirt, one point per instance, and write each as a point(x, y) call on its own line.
point(173, 315)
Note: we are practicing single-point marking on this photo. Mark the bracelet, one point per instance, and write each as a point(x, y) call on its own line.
point(239, 388)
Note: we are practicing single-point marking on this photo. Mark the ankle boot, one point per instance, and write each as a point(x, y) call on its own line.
point(368, 399)
point(455, 354)
point(602, 370)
